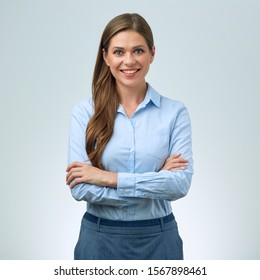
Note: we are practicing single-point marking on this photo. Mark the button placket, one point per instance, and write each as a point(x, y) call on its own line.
point(132, 146)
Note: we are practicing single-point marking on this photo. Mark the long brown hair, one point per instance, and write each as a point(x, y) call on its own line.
point(104, 93)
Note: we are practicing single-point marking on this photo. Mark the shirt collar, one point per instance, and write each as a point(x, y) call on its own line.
point(151, 96)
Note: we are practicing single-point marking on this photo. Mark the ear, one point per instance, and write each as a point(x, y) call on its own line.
point(105, 56)
point(152, 54)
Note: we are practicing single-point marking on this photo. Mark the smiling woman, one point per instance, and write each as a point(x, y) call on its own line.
point(129, 153)
point(129, 59)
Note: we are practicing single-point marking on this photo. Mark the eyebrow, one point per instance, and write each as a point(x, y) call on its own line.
point(135, 47)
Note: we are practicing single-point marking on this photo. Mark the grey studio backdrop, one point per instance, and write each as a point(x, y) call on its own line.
point(207, 56)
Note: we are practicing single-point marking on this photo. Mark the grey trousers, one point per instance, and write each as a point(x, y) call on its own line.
point(101, 239)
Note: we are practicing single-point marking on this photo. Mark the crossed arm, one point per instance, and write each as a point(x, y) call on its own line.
point(78, 172)
point(88, 183)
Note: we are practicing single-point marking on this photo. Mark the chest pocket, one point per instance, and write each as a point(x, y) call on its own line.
point(157, 144)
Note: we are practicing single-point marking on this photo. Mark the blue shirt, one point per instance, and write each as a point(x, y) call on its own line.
point(137, 150)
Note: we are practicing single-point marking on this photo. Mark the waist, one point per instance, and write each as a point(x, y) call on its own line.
point(144, 209)
point(139, 223)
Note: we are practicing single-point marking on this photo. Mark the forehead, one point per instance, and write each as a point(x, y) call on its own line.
point(127, 39)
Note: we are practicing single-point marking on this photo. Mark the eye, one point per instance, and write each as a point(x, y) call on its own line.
point(139, 51)
point(118, 52)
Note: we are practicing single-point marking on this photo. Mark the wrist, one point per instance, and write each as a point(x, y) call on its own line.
point(111, 179)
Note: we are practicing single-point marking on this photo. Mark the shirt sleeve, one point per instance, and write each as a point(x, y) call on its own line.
point(167, 185)
point(76, 152)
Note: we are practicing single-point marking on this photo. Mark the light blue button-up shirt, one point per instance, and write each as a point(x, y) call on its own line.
point(137, 150)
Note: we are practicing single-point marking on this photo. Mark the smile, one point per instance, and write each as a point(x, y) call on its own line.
point(133, 71)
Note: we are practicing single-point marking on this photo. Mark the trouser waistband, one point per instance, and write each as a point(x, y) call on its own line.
point(138, 223)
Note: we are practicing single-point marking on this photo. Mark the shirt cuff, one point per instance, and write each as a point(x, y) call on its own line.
point(126, 184)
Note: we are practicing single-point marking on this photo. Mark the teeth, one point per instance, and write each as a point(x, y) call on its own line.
point(129, 71)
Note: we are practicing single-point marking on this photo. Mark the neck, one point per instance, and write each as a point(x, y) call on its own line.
point(132, 95)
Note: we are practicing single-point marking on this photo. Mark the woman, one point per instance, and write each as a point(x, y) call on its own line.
point(129, 153)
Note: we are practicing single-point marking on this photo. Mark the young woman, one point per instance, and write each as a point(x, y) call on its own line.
point(129, 153)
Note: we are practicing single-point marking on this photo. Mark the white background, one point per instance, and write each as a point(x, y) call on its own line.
point(207, 57)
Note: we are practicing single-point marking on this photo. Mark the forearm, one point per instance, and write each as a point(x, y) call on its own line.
point(94, 185)
point(165, 184)
point(79, 172)
point(101, 195)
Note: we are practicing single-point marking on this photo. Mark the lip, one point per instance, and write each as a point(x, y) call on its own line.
point(130, 72)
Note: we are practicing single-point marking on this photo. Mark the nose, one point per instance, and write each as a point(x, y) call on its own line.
point(129, 59)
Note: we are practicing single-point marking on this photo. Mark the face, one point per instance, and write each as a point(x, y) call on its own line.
point(129, 58)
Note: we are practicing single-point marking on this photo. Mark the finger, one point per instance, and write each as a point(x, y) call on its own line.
point(178, 168)
point(179, 164)
point(172, 157)
point(73, 176)
point(76, 181)
point(72, 170)
point(74, 164)
point(175, 155)
point(174, 165)
point(182, 160)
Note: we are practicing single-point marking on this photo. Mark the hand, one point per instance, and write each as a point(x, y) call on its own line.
point(79, 172)
point(175, 162)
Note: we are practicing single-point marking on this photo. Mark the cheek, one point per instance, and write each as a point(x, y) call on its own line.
point(114, 64)
point(146, 64)
point(147, 61)
point(114, 70)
